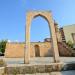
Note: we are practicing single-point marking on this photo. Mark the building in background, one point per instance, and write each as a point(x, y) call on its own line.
point(73, 35)
point(68, 33)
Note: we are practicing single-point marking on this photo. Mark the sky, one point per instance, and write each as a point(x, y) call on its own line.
point(13, 18)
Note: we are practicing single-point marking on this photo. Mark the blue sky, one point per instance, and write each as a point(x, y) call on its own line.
point(13, 15)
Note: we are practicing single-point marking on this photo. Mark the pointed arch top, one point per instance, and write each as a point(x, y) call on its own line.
point(44, 14)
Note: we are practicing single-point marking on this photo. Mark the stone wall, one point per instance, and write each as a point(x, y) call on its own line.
point(32, 69)
point(17, 49)
point(14, 50)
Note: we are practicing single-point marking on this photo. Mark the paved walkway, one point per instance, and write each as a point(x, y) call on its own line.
point(38, 60)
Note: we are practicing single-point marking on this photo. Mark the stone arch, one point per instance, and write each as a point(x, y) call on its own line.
point(48, 16)
point(37, 51)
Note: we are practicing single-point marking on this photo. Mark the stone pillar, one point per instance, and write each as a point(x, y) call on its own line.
point(54, 40)
point(27, 50)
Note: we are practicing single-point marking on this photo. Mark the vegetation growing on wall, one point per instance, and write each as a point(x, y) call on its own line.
point(70, 44)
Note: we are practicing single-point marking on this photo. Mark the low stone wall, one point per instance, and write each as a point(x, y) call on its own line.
point(2, 69)
point(31, 69)
point(2, 66)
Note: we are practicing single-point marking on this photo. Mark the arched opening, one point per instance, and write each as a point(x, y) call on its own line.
point(48, 16)
point(39, 29)
point(37, 51)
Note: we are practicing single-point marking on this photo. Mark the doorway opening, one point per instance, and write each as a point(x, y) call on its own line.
point(37, 51)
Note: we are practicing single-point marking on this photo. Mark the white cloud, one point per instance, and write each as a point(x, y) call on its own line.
point(9, 41)
point(16, 40)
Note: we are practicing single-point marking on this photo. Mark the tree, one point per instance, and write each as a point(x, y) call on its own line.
point(2, 46)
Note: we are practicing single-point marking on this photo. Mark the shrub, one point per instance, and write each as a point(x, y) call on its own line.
point(2, 46)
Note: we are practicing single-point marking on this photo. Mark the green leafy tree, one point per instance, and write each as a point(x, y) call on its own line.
point(3, 45)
